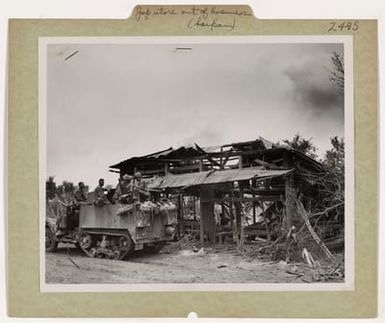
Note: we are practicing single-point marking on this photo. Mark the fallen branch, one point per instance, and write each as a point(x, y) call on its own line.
point(329, 209)
point(312, 232)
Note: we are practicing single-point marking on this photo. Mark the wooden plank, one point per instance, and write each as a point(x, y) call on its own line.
point(151, 172)
point(208, 156)
point(224, 154)
point(272, 191)
point(246, 199)
point(233, 222)
point(200, 165)
point(265, 222)
point(207, 221)
point(184, 168)
point(266, 164)
point(240, 216)
point(240, 163)
point(313, 233)
point(290, 202)
point(254, 211)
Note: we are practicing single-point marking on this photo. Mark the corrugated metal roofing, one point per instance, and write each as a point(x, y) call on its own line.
point(173, 181)
point(216, 177)
point(242, 174)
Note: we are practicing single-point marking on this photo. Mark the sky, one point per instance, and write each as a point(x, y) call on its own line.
point(110, 102)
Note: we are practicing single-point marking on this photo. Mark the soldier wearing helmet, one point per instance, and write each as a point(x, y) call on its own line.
point(99, 194)
point(123, 189)
point(139, 188)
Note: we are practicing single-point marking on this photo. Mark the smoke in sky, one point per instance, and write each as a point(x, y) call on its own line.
point(316, 93)
point(110, 102)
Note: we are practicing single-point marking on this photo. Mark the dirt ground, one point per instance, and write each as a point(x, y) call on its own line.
point(68, 265)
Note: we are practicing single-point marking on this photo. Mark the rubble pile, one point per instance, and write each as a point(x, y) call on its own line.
point(317, 273)
point(188, 241)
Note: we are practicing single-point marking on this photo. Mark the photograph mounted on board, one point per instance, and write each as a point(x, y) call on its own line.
point(196, 163)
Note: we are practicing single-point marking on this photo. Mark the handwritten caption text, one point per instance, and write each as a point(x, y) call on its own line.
point(210, 18)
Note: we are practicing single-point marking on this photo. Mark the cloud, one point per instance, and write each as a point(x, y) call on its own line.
point(111, 102)
point(205, 137)
point(313, 89)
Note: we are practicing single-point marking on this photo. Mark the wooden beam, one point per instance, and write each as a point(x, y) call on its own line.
point(240, 216)
point(152, 171)
point(279, 160)
point(265, 222)
point(240, 162)
point(254, 211)
point(208, 156)
point(266, 164)
point(207, 221)
point(233, 220)
point(246, 199)
point(184, 168)
point(290, 202)
point(226, 159)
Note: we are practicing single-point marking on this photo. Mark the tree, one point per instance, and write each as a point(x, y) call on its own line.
point(326, 212)
point(335, 157)
point(334, 163)
point(331, 183)
point(302, 145)
point(66, 191)
point(337, 73)
point(50, 186)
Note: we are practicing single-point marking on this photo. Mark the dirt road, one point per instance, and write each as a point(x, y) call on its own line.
point(219, 265)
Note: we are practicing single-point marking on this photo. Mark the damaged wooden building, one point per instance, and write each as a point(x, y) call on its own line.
point(230, 191)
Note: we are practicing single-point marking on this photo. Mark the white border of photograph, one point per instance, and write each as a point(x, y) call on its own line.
point(349, 282)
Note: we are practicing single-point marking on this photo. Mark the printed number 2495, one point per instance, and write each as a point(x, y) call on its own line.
point(346, 25)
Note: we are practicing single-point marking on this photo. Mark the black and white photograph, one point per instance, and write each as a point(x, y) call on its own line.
point(196, 163)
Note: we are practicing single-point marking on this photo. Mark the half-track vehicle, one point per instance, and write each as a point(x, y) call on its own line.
point(113, 230)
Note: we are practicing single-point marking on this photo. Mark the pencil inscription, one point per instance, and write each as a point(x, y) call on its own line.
point(208, 18)
point(211, 25)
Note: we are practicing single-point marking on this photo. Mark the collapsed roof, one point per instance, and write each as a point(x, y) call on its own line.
point(215, 177)
point(258, 152)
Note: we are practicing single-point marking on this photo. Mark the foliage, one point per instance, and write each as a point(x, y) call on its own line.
point(335, 157)
point(332, 182)
point(337, 74)
point(65, 192)
point(302, 145)
point(334, 163)
point(50, 186)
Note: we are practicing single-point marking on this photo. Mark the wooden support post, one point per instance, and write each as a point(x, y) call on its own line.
point(240, 163)
point(265, 222)
point(232, 217)
point(166, 168)
point(223, 213)
point(207, 221)
point(241, 219)
point(180, 214)
point(201, 223)
point(221, 159)
point(200, 165)
point(290, 202)
point(254, 211)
